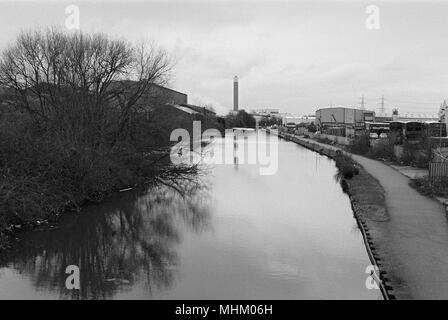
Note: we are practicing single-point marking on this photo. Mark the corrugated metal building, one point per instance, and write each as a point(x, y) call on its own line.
point(341, 121)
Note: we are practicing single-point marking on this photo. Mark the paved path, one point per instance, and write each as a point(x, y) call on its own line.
point(410, 172)
point(416, 235)
point(413, 244)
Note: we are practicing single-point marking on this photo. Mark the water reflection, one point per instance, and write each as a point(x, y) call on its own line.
point(289, 235)
point(130, 240)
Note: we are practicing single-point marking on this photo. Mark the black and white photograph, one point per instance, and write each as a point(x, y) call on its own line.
point(223, 156)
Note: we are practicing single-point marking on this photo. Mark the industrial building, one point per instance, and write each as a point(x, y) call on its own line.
point(288, 120)
point(266, 112)
point(168, 95)
point(341, 121)
point(159, 99)
point(154, 95)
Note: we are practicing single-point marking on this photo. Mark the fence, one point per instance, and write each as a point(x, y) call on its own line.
point(438, 169)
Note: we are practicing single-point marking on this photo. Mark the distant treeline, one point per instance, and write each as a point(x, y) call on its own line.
point(241, 119)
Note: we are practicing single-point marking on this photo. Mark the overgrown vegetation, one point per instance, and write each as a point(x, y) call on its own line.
point(324, 140)
point(269, 121)
point(76, 122)
point(431, 187)
point(383, 149)
point(360, 144)
point(242, 119)
point(311, 127)
point(346, 166)
point(416, 154)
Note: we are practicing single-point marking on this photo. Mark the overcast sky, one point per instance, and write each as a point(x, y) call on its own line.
point(291, 55)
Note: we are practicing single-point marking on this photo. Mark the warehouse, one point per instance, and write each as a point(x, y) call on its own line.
point(341, 121)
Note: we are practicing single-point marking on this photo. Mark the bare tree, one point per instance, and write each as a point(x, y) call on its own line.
point(85, 86)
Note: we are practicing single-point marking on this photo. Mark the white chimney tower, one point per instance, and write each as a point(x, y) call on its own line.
point(235, 93)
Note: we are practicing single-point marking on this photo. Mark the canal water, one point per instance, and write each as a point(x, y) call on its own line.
point(287, 235)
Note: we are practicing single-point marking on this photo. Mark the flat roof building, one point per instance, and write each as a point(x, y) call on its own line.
point(343, 121)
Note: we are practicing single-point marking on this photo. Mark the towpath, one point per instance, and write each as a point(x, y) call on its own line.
point(413, 243)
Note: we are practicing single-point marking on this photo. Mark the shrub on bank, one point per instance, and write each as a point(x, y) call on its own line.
point(360, 144)
point(346, 166)
point(416, 154)
point(432, 188)
point(383, 150)
point(41, 177)
point(324, 140)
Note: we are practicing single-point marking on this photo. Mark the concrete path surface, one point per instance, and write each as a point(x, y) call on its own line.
point(410, 172)
point(413, 244)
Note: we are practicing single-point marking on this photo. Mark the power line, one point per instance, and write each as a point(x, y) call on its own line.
point(362, 102)
point(415, 102)
point(382, 104)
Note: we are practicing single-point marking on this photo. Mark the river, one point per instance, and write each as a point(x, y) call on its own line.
point(289, 235)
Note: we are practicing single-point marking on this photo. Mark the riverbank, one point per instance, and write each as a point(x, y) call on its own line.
point(216, 244)
point(41, 202)
point(368, 204)
point(419, 176)
point(15, 220)
point(412, 244)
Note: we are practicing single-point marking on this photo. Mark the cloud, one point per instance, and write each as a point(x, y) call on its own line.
point(291, 55)
point(200, 100)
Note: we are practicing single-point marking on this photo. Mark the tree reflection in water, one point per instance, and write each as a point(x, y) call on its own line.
point(116, 244)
